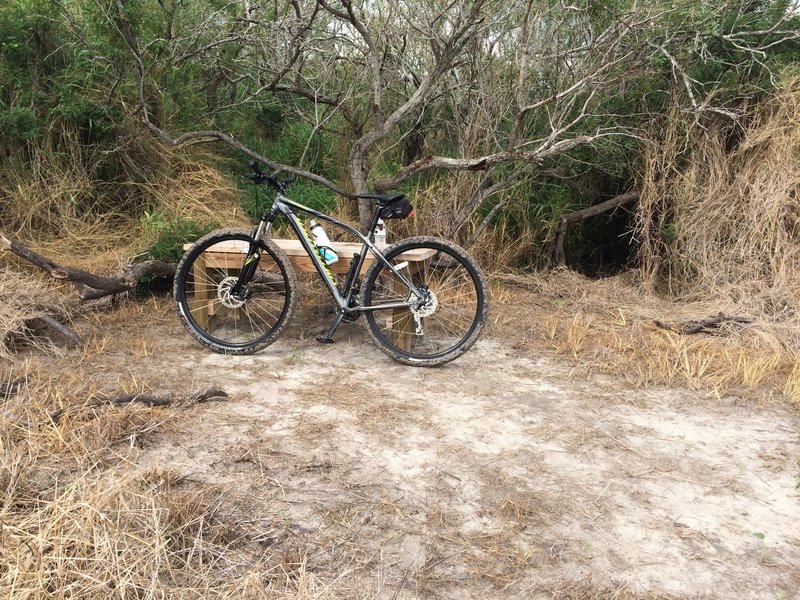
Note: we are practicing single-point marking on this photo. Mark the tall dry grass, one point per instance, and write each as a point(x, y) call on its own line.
point(89, 213)
point(81, 520)
point(719, 216)
point(609, 326)
point(23, 300)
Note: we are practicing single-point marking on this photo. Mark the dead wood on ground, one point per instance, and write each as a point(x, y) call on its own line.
point(162, 398)
point(9, 389)
point(710, 325)
point(88, 285)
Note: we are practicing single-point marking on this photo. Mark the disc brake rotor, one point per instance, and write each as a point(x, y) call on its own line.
point(429, 308)
point(224, 293)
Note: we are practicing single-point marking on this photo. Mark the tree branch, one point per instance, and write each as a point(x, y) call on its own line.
point(62, 329)
point(151, 399)
point(202, 136)
point(581, 215)
point(482, 163)
point(88, 285)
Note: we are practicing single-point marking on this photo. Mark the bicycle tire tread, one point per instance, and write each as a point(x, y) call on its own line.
point(184, 267)
point(466, 343)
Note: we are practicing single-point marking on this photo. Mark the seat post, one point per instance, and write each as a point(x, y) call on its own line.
point(374, 222)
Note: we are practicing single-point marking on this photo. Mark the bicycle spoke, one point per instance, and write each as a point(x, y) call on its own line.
point(436, 328)
point(232, 322)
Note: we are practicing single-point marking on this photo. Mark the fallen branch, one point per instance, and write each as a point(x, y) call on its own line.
point(150, 399)
point(482, 163)
point(710, 325)
point(88, 285)
point(61, 329)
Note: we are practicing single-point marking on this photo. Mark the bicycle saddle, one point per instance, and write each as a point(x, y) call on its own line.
point(381, 197)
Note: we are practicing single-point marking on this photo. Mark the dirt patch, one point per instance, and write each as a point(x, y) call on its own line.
point(510, 472)
point(503, 474)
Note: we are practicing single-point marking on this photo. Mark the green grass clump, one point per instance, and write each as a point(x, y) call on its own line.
point(170, 233)
point(257, 199)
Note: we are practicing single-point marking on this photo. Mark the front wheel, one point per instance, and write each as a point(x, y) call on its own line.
point(221, 317)
point(441, 326)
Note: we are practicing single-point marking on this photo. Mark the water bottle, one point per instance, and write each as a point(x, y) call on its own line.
point(323, 243)
point(380, 234)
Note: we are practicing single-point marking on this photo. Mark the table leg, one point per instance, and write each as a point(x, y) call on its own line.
point(202, 292)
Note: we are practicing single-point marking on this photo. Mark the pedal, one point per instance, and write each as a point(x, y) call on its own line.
point(324, 339)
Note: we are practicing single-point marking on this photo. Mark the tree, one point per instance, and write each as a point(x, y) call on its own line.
point(538, 79)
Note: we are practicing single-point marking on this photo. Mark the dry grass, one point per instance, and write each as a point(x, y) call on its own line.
point(62, 210)
point(608, 326)
point(80, 520)
point(719, 216)
point(22, 300)
point(498, 247)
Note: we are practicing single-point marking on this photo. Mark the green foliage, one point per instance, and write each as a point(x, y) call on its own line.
point(669, 232)
point(169, 234)
point(19, 124)
point(68, 85)
point(257, 199)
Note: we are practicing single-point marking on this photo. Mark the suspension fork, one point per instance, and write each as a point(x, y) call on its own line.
point(253, 253)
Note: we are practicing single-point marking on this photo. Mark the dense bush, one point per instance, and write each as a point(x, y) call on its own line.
point(74, 144)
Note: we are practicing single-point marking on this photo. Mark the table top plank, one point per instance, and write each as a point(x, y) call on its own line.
point(294, 249)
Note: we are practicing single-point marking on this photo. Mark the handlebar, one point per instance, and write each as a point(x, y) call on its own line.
point(280, 185)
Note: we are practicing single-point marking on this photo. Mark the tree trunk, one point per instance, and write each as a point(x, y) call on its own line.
point(359, 168)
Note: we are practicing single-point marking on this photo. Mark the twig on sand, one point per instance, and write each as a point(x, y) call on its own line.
point(151, 399)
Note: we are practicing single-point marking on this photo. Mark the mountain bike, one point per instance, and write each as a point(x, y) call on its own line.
point(424, 299)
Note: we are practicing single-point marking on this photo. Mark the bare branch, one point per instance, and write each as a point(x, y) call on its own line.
point(581, 215)
point(202, 136)
point(88, 285)
point(482, 163)
point(372, 53)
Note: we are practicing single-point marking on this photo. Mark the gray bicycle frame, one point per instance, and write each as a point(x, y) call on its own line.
point(284, 206)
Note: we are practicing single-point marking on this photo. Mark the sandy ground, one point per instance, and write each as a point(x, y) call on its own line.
point(501, 475)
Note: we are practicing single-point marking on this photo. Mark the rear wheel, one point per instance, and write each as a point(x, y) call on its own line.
point(228, 322)
point(451, 317)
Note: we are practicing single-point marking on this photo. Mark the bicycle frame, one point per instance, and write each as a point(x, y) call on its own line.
point(286, 206)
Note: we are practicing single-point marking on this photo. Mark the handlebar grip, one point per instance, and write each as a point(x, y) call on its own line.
point(260, 177)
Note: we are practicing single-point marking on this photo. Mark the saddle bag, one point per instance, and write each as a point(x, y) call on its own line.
point(399, 208)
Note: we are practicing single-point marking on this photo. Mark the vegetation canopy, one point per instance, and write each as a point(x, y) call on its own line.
point(659, 138)
point(503, 117)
